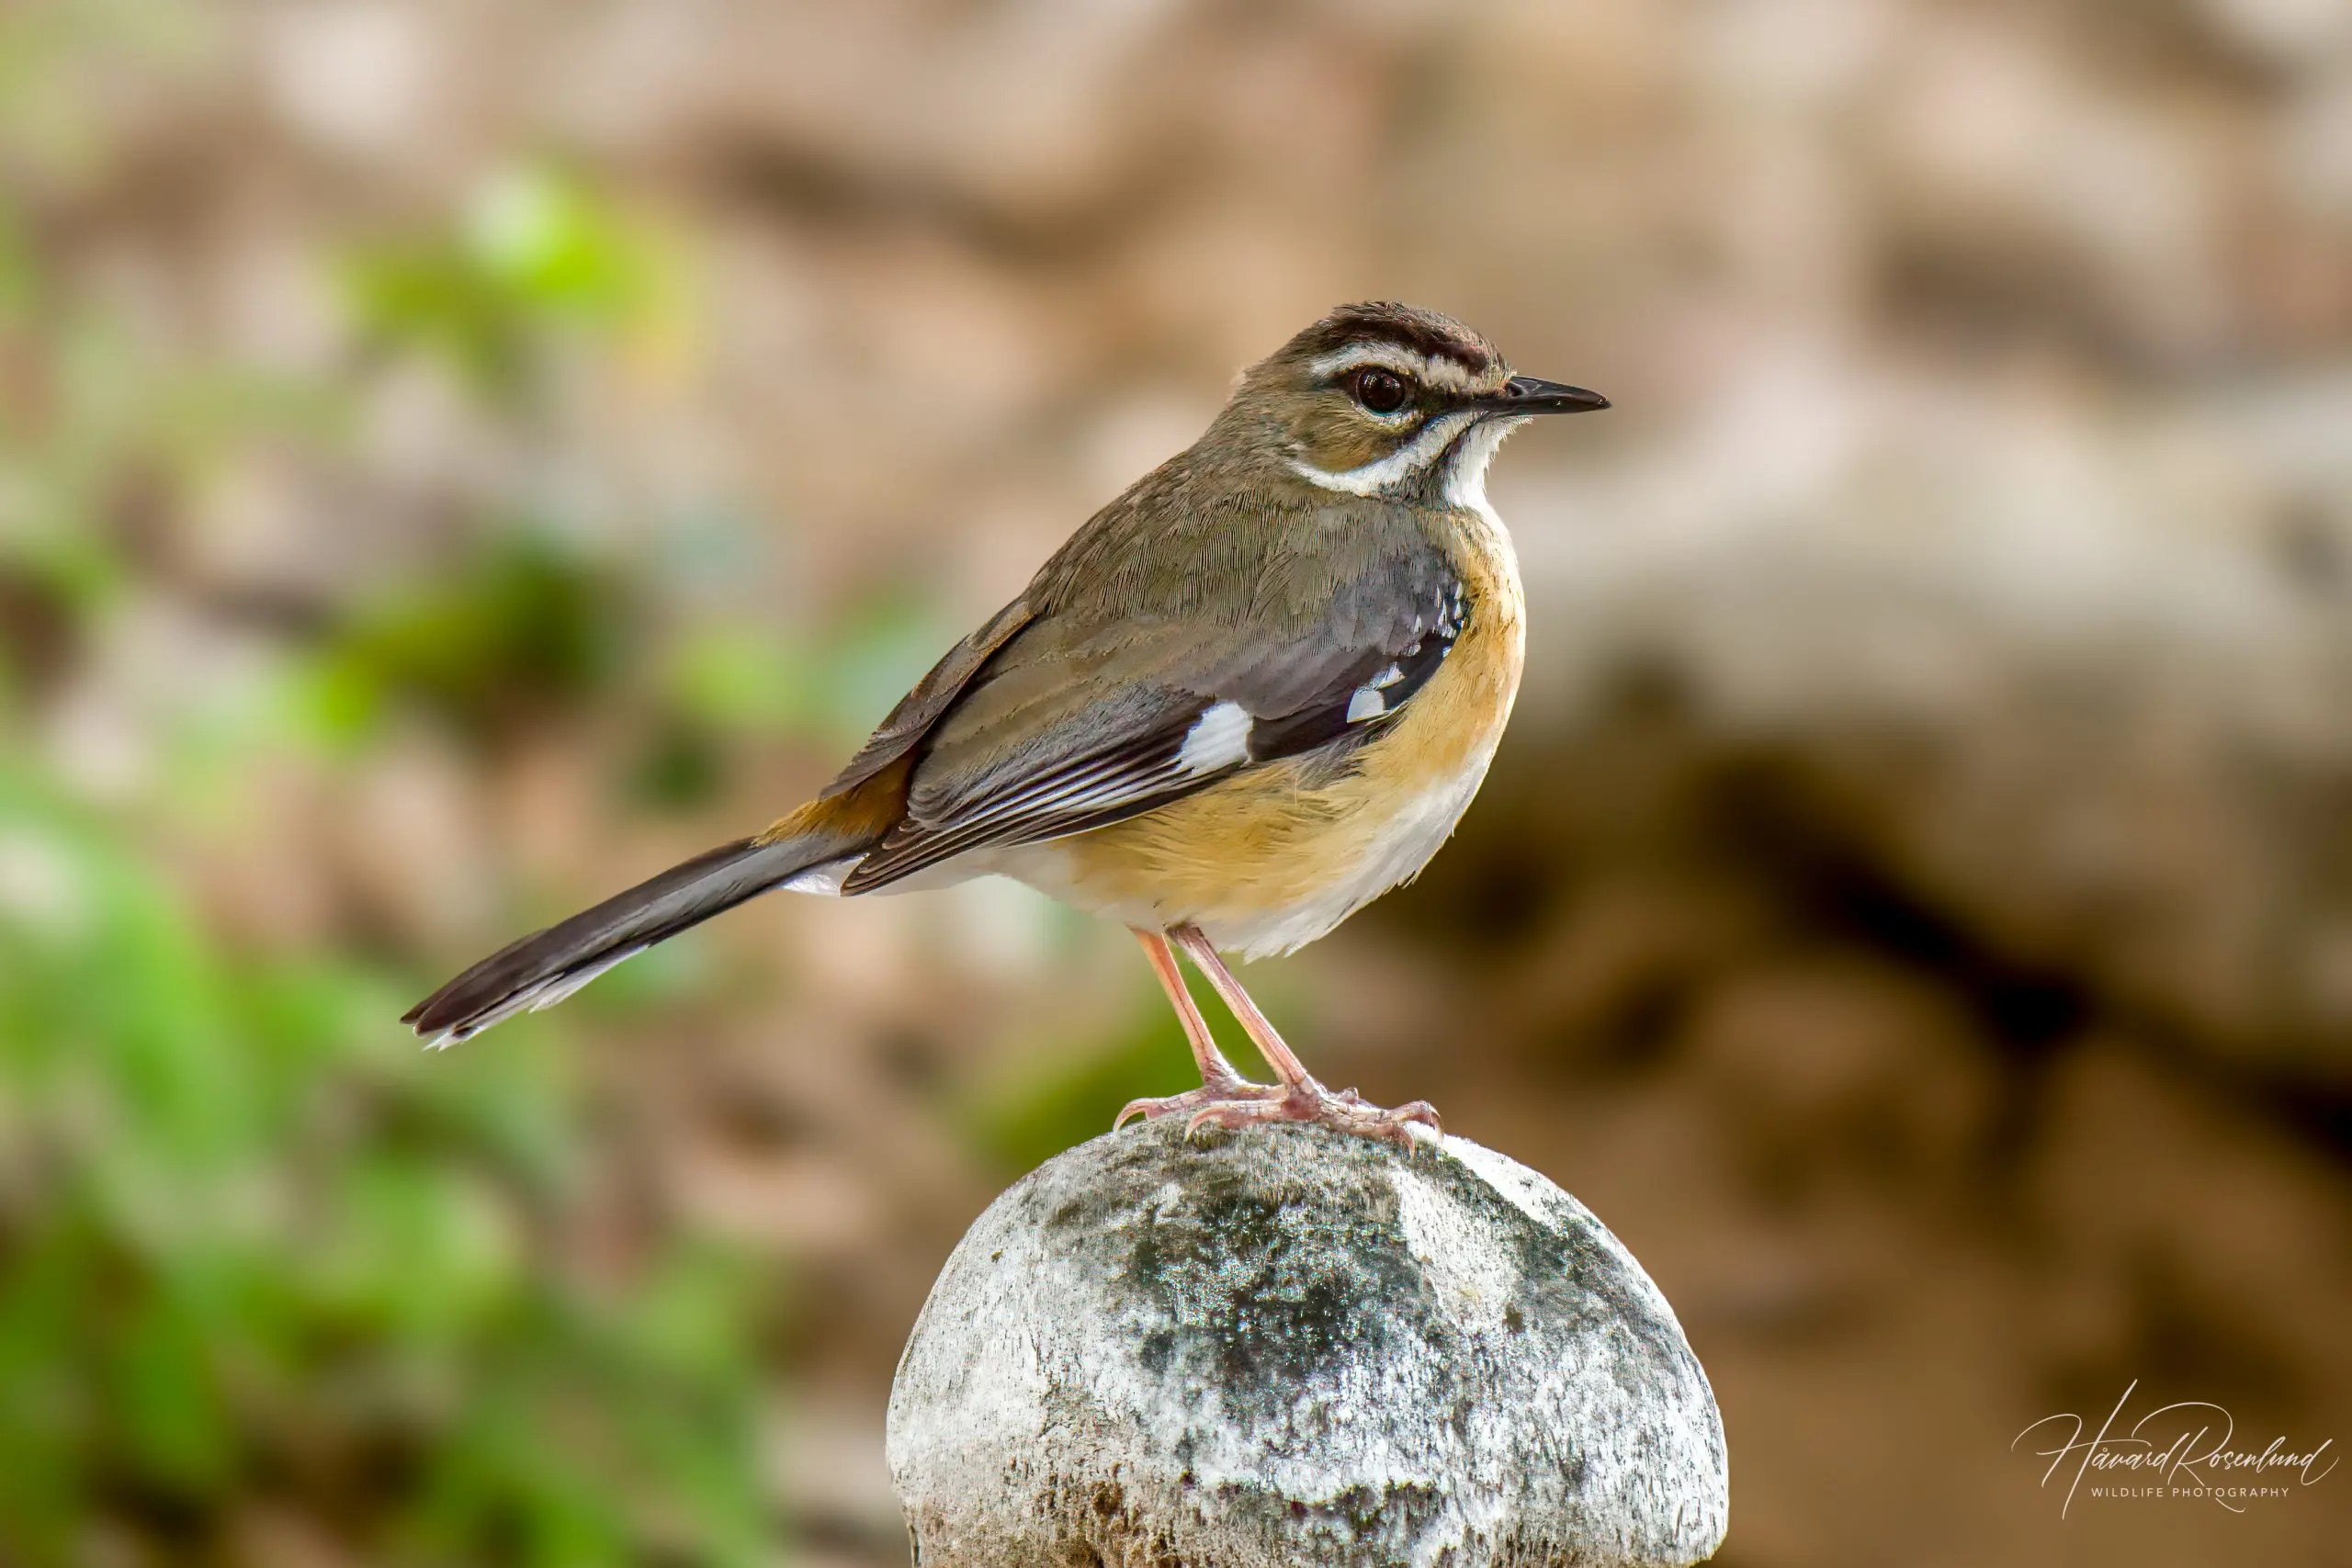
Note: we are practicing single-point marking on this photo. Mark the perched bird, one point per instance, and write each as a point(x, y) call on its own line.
point(1247, 698)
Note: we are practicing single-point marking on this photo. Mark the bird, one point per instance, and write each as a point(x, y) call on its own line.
point(1250, 695)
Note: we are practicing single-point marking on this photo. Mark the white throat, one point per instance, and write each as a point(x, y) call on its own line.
point(1465, 475)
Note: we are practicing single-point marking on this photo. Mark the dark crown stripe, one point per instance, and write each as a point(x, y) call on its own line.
point(1422, 331)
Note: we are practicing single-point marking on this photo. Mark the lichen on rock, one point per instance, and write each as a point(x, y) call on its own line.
point(1283, 1345)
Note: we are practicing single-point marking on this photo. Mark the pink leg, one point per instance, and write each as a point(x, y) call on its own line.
point(1220, 1084)
point(1300, 1098)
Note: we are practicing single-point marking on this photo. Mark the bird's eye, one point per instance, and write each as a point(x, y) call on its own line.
point(1382, 391)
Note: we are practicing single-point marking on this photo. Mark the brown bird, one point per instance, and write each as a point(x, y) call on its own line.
point(1247, 698)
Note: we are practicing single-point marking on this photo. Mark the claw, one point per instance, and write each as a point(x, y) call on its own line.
point(1241, 1104)
point(1415, 1111)
point(1230, 1101)
point(1217, 1092)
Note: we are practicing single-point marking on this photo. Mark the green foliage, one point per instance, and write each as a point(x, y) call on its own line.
point(53, 55)
point(538, 258)
point(256, 1251)
point(1074, 1094)
point(834, 684)
point(96, 434)
point(519, 632)
point(248, 1246)
point(1075, 1090)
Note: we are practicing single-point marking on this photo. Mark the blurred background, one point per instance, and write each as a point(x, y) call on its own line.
point(456, 459)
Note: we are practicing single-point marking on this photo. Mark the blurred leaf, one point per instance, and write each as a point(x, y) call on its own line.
point(49, 53)
point(524, 631)
point(869, 663)
point(833, 685)
point(1073, 1094)
point(536, 258)
point(740, 677)
point(683, 767)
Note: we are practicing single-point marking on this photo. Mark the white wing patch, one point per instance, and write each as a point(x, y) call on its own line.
point(1159, 763)
point(1218, 739)
point(1082, 793)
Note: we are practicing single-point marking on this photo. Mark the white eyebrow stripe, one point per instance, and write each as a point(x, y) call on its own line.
point(1371, 478)
point(1438, 370)
point(1356, 356)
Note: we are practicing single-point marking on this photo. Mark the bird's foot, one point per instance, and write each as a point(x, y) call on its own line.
point(1194, 1102)
point(1310, 1102)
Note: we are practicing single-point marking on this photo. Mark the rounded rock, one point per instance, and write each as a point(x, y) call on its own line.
point(1284, 1346)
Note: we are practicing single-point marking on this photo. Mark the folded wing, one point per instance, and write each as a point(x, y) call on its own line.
point(1073, 727)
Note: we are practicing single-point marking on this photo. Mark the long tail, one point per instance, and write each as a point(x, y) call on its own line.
point(546, 967)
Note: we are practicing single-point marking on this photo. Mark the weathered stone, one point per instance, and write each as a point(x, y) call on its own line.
point(1284, 1346)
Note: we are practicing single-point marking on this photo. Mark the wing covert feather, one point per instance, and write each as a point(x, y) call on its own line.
point(1091, 711)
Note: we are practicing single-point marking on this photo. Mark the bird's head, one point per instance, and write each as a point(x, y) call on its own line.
point(1391, 400)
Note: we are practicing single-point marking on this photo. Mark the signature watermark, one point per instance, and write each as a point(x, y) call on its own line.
point(2186, 1450)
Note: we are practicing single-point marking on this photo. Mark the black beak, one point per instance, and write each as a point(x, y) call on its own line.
point(1532, 394)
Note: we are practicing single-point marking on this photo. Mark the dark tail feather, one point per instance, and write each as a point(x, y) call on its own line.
point(544, 968)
